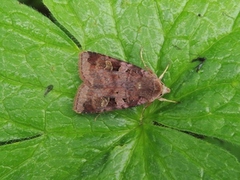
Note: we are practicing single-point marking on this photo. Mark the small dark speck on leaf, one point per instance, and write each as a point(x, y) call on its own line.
point(201, 60)
point(48, 89)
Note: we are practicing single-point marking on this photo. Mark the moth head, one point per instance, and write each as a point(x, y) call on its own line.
point(165, 89)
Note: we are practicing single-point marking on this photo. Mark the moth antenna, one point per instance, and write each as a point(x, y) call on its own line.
point(161, 76)
point(141, 55)
point(146, 67)
point(167, 100)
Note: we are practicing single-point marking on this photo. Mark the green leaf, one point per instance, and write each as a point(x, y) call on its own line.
point(42, 138)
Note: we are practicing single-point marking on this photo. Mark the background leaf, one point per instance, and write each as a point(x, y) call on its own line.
point(41, 137)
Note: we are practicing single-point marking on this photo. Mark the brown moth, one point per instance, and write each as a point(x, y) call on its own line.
point(110, 84)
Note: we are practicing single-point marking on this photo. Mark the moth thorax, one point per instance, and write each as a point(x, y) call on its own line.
point(149, 89)
point(157, 88)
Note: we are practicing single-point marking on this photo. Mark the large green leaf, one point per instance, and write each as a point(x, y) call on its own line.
point(42, 138)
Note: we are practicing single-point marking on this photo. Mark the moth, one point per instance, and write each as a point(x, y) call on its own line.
point(110, 84)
